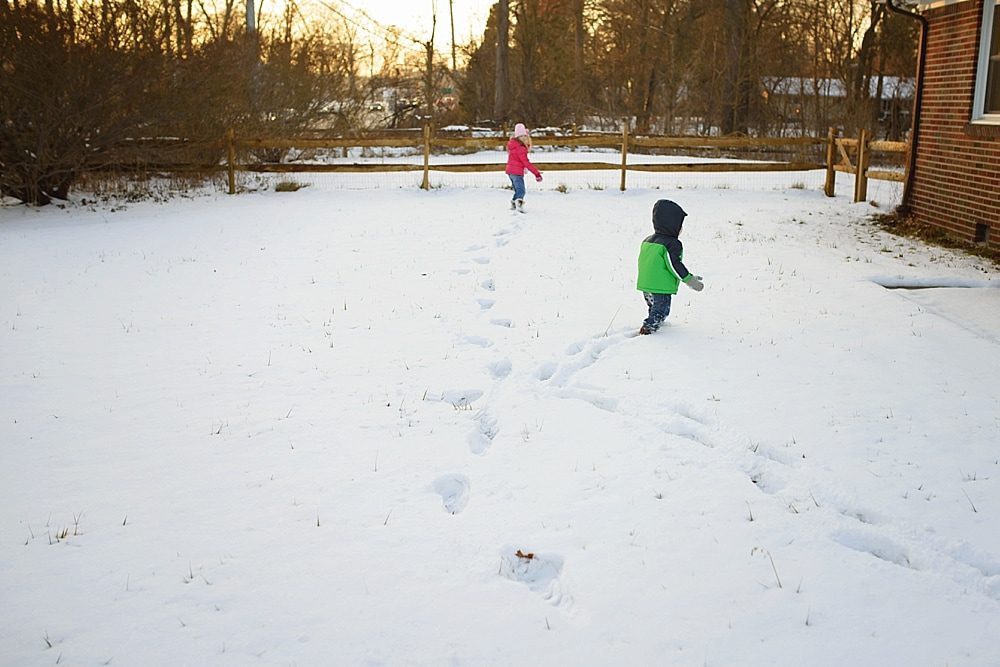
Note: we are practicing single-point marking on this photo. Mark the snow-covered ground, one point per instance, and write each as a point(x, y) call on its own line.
point(317, 428)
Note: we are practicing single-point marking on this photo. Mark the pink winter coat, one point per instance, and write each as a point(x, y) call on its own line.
point(517, 159)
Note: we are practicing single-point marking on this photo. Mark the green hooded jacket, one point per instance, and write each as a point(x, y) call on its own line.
point(661, 269)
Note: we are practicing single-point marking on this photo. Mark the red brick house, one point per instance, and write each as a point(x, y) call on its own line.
point(954, 179)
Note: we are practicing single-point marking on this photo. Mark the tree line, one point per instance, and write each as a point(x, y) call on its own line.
point(144, 84)
point(101, 84)
point(676, 66)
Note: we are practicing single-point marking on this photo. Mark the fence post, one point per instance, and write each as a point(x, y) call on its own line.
point(624, 151)
point(829, 188)
point(861, 178)
point(231, 160)
point(426, 184)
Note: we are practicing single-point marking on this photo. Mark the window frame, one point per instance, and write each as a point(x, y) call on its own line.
point(986, 39)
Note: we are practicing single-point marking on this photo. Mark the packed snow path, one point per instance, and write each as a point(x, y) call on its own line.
point(416, 428)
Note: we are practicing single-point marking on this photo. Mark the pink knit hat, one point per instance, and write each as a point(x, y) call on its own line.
point(520, 130)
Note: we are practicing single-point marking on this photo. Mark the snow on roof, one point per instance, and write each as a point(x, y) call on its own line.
point(892, 86)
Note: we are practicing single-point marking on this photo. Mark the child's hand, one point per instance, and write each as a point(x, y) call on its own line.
point(538, 178)
point(694, 282)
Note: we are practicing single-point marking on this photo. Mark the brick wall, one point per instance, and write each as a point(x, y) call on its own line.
point(957, 177)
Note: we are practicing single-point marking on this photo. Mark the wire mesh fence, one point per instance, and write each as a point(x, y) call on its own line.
point(610, 162)
point(598, 161)
point(885, 194)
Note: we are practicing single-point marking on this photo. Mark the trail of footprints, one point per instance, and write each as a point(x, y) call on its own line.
point(770, 468)
point(541, 573)
point(765, 466)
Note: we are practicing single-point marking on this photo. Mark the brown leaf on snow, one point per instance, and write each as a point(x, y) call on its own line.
point(526, 556)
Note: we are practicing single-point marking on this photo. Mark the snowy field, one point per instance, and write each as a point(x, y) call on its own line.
point(396, 427)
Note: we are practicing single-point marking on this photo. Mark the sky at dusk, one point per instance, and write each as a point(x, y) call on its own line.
point(414, 16)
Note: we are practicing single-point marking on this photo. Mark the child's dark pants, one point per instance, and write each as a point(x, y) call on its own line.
point(659, 308)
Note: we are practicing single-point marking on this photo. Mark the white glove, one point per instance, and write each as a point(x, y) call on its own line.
point(694, 282)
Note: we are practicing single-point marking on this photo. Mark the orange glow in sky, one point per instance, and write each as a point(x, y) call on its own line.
point(414, 17)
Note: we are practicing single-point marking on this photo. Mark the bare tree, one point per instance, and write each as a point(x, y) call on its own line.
point(66, 97)
point(128, 85)
point(429, 95)
point(501, 102)
point(451, 14)
point(579, 33)
point(860, 106)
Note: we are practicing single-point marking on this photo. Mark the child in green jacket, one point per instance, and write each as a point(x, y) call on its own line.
point(661, 270)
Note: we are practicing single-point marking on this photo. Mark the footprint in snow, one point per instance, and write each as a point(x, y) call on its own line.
point(688, 411)
point(500, 369)
point(486, 429)
point(460, 399)
point(588, 352)
point(770, 483)
point(599, 342)
point(474, 248)
point(502, 322)
point(784, 456)
point(481, 260)
point(488, 285)
point(686, 427)
point(595, 398)
point(987, 564)
point(984, 565)
point(546, 370)
point(880, 546)
point(539, 572)
point(478, 341)
point(454, 491)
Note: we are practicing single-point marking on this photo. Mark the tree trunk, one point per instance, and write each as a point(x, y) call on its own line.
point(429, 71)
point(636, 89)
point(652, 80)
point(527, 41)
point(578, 73)
point(501, 100)
point(859, 96)
point(451, 13)
point(735, 95)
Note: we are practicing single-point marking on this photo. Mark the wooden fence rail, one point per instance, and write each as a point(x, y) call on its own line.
point(855, 158)
point(854, 155)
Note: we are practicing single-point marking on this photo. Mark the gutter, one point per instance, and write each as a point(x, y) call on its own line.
point(918, 96)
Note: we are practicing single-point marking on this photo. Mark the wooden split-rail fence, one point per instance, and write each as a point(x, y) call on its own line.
point(842, 155)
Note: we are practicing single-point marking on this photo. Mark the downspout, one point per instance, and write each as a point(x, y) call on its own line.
point(918, 95)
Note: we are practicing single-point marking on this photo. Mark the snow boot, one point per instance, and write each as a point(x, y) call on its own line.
point(644, 330)
point(513, 206)
point(520, 206)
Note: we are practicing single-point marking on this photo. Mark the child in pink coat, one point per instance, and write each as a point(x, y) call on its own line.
point(517, 162)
